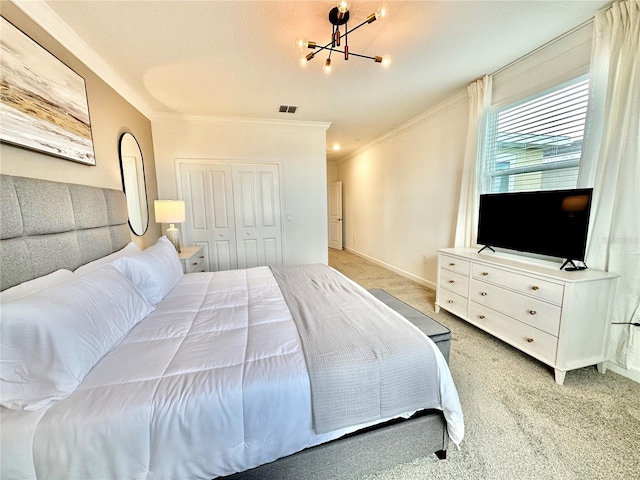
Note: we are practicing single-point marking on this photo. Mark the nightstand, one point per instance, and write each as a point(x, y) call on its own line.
point(192, 259)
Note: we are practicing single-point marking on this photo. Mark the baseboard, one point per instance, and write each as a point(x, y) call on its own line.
point(410, 276)
point(633, 373)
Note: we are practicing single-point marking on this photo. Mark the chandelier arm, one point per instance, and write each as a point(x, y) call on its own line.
point(327, 47)
point(354, 28)
point(350, 52)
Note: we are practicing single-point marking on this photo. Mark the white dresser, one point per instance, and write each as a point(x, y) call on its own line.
point(558, 317)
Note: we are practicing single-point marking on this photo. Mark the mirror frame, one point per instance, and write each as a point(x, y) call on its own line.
point(140, 182)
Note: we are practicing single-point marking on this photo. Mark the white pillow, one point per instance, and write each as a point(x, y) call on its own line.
point(155, 271)
point(34, 285)
point(53, 337)
point(130, 249)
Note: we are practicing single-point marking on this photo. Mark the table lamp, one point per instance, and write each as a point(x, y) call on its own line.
point(171, 212)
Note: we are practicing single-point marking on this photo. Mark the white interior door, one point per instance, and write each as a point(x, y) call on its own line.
point(334, 196)
point(233, 211)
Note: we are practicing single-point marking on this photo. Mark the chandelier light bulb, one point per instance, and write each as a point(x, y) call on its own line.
point(302, 44)
point(303, 60)
point(386, 61)
point(343, 6)
point(382, 12)
point(327, 66)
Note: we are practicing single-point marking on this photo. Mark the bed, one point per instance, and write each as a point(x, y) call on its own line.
point(116, 365)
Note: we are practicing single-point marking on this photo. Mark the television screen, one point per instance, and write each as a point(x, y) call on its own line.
point(553, 222)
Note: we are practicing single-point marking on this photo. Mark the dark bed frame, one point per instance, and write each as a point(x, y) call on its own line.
point(48, 225)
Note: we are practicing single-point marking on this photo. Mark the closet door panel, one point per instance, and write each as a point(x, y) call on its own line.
point(207, 190)
point(257, 203)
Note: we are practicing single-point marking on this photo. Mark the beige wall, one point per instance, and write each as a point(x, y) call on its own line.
point(297, 147)
point(332, 172)
point(400, 195)
point(110, 116)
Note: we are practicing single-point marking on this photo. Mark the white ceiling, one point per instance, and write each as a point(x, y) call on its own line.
point(239, 58)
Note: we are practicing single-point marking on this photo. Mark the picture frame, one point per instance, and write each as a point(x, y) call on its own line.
point(43, 102)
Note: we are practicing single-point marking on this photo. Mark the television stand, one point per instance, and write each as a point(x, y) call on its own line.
point(558, 317)
point(487, 246)
point(573, 266)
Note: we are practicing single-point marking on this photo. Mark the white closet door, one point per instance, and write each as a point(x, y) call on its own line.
point(208, 194)
point(233, 211)
point(256, 195)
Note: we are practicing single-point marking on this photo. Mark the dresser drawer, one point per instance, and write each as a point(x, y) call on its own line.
point(535, 287)
point(530, 340)
point(455, 264)
point(194, 264)
point(542, 315)
point(456, 282)
point(452, 302)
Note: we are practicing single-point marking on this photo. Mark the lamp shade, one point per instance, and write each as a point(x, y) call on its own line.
point(169, 211)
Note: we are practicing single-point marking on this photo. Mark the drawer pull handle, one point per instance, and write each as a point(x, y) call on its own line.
point(482, 317)
point(450, 301)
point(451, 281)
point(194, 263)
point(201, 256)
point(484, 294)
point(452, 264)
point(530, 340)
point(532, 312)
point(484, 274)
point(535, 287)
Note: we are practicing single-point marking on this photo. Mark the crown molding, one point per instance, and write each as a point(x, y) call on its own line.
point(46, 18)
point(259, 122)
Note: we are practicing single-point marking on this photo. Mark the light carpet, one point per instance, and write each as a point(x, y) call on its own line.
point(519, 423)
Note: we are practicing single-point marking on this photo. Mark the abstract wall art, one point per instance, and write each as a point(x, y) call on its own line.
point(43, 102)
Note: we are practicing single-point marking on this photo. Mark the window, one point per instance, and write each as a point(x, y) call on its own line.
point(536, 144)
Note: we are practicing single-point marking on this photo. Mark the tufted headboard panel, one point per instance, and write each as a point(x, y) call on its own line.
point(45, 226)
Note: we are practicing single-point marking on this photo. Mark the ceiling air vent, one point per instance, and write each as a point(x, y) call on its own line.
point(288, 109)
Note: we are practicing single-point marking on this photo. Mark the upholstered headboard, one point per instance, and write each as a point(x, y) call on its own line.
point(47, 225)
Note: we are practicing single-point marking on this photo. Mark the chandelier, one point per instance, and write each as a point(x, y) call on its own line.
point(338, 17)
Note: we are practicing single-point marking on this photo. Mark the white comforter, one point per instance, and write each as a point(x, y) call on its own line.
point(213, 382)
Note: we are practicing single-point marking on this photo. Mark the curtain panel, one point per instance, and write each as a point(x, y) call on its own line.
point(611, 165)
point(479, 102)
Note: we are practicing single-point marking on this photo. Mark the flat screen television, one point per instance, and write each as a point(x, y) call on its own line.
point(549, 222)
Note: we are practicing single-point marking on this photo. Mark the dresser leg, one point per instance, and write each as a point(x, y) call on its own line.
point(436, 308)
point(559, 376)
point(602, 368)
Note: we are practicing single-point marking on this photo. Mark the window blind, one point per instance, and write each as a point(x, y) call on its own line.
point(536, 144)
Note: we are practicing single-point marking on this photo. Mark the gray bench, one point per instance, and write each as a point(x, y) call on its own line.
point(440, 334)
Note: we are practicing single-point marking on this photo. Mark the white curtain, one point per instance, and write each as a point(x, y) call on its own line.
point(479, 102)
point(611, 165)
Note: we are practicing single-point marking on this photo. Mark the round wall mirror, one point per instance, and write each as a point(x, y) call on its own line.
point(133, 183)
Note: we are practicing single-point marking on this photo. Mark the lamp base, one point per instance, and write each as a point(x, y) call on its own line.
point(173, 234)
